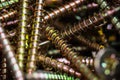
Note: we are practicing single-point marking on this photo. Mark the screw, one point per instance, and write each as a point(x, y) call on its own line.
point(44, 75)
point(89, 23)
point(9, 55)
point(33, 48)
point(72, 56)
point(58, 66)
point(8, 15)
point(89, 43)
point(22, 33)
point(63, 9)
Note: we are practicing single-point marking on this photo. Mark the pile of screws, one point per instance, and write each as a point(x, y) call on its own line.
point(59, 39)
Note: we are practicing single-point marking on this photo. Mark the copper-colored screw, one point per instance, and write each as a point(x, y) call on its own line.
point(55, 37)
point(33, 47)
point(63, 9)
point(9, 55)
point(89, 23)
point(86, 60)
point(58, 66)
point(8, 15)
point(89, 43)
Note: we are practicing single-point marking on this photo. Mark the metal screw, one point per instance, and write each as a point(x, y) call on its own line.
point(55, 37)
